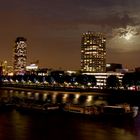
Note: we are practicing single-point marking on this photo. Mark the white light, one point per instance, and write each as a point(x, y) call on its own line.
point(76, 83)
point(89, 99)
point(127, 36)
point(44, 96)
point(89, 84)
point(36, 96)
point(77, 96)
point(65, 96)
point(29, 94)
point(32, 67)
point(108, 65)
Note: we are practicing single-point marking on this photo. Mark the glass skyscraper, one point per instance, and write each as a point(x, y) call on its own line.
point(93, 52)
point(20, 56)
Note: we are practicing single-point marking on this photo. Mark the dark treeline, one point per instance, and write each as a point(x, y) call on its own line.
point(61, 79)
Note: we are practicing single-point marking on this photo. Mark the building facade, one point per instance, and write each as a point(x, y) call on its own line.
point(20, 56)
point(93, 52)
point(101, 78)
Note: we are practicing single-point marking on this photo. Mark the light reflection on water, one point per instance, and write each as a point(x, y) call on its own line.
point(19, 126)
point(54, 97)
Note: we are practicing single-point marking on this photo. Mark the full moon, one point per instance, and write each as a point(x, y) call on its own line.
point(127, 36)
point(126, 33)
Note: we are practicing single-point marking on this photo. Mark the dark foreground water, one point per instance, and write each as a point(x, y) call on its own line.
point(18, 126)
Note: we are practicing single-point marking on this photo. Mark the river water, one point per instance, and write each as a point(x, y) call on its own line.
point(16, 125)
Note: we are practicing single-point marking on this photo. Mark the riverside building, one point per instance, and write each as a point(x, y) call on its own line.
point(93, 58)
point(20, 56)
point(93, 52)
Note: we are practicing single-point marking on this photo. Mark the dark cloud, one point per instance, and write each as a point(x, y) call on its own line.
point(114, 20)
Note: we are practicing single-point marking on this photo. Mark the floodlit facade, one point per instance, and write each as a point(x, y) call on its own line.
point(102, 77)
point(6, 69)
point(32, 67)
point(93, 52)
point(20, 56)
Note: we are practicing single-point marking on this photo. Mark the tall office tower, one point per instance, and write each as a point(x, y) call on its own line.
point(20, 56)
point(93, 52)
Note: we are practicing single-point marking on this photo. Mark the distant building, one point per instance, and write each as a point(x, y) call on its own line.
point(4, 67)
point(10, 70)
point(20, 56)
point(102, 77)
point(93, 52)
point(57, 72)
point(113, 67)
point(31, 67)
point(43, 71)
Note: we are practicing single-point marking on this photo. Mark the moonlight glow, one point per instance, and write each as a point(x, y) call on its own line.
point(127, 36)
point(126, 33)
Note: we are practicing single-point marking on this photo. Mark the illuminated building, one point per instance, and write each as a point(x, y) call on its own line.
point(102, 77)
point(4, 67)
point(10, 70)
point(20, 56)
point(93, 52)
point(31, 67)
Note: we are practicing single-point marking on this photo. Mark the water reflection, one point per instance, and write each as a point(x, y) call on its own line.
point(54, 97)
point(17, 126)
point(24, 127)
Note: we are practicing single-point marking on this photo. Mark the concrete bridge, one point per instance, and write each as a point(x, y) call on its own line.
point(75, 97)
point(85, 98)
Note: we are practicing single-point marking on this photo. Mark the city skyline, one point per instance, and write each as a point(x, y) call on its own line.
point(53, 30)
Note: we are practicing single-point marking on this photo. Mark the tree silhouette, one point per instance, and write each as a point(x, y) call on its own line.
point(112, 82)
point(131, 79)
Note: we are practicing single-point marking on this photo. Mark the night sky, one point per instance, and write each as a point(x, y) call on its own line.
point(53, 30)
